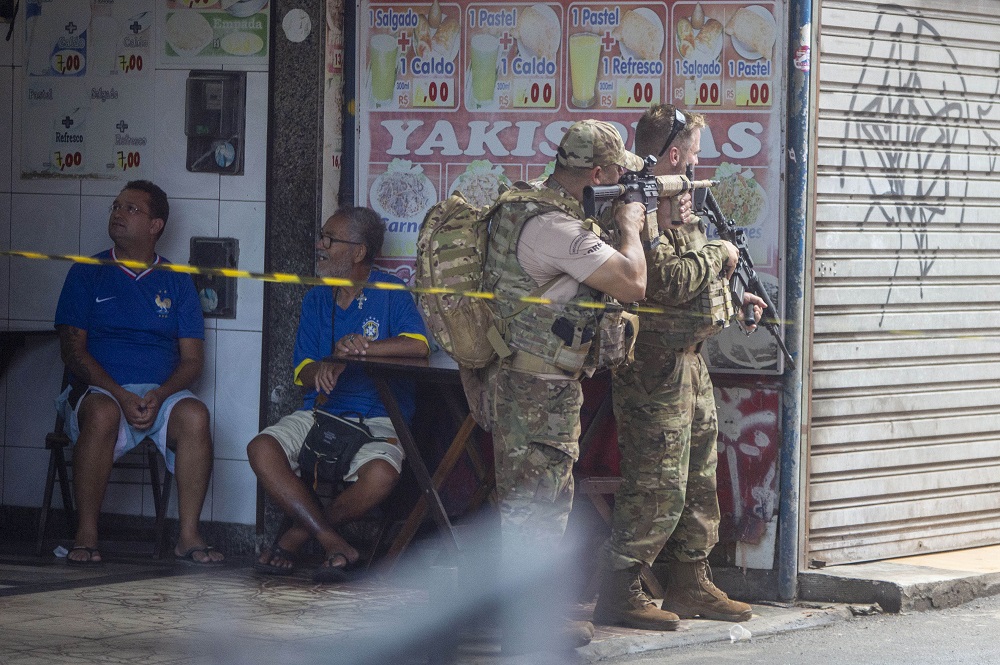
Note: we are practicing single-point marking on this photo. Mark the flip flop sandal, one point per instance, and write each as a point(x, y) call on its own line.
point(89, 561)
point(276, 551)
point(330, 574)
point(188, 557)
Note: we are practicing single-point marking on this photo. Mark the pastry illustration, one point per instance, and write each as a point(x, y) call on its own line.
point(753, 28)
point(708, 43)
point(436, 35)
point(538, 31)
point(188, 32)
point(444, 43)
point(702, 42)
point(642, 33)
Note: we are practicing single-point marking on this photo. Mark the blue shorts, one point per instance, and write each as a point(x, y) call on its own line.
point(128, 436)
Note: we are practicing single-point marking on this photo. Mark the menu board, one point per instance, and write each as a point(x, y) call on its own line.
point(89, 78)
point(214, 32)
point(471, 95)
point(89, 89)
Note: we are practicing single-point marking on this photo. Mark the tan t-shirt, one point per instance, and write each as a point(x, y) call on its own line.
point(555, 244)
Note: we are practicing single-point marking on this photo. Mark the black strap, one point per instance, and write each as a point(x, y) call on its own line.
point(333, 323)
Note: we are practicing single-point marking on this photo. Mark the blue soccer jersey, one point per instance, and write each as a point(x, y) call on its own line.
point(133, 321)
point(379, 314)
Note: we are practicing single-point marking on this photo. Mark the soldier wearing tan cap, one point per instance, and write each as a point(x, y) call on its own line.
point(544, 247)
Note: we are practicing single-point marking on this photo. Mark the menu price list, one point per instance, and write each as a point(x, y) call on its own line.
point(489, 57)
point(722, 55)
point(89, 69)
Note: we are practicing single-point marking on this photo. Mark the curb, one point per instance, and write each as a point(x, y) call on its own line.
point(897, 587)
point(768, 619)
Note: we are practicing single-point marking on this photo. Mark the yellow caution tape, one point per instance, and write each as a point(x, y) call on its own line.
point(288, 278)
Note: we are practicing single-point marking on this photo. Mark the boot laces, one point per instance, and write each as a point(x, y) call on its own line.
point(706, 583)
point(638, 596)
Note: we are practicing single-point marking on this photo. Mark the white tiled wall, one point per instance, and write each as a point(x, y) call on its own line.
point(250, 186)
point(47, 223)
point(6, 123)
point(69, 217)
point(4, 260)
point(244, 221)
point(233, 492)
point(236, 413)
point(171, 145)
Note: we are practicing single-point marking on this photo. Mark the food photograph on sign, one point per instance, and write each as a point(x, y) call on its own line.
point(215, 31)
point(475, 96)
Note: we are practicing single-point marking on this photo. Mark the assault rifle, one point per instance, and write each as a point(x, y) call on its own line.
point(744, 277)
point(641, 187)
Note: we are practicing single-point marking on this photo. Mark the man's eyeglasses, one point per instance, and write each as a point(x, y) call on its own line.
point(676, 129)
point(129, 208)
point(328, 241)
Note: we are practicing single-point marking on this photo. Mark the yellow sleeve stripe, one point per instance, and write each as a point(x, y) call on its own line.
point(416, 336)
point(298, 370)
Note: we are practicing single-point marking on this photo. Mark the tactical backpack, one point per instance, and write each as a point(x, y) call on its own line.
point(451, 251)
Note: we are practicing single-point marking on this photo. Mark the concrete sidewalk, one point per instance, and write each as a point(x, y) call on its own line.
point(139, 611)
point(921, 582)
point(768, 619)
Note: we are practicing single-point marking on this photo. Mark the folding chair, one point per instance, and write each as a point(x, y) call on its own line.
point(142, 457)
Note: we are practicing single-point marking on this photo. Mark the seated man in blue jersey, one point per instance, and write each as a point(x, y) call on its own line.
point(372, 322)
point(133, 343)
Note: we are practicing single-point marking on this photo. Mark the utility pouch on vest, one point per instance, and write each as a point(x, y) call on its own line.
point(616, 336)
point(576, 342)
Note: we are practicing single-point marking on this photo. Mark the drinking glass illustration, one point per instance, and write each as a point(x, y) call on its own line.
point(584, 54)
point(382, 52)
point(483, 67)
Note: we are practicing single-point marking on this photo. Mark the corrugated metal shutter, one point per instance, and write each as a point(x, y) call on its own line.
point(904, 433)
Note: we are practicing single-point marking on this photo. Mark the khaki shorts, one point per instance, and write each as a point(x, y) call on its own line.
point(290, 432)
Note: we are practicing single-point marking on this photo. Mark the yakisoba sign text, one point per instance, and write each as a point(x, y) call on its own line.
point(531, 138)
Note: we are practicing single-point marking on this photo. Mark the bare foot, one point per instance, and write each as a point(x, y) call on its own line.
point(277, 557)
point(80, 554)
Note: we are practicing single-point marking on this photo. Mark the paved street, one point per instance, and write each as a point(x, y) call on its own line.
point(967, 634)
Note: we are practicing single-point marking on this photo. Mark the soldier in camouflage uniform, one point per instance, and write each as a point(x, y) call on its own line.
point(665, 409)
point(546, 248)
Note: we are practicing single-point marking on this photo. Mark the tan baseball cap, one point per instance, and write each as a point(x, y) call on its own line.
point(590, 143)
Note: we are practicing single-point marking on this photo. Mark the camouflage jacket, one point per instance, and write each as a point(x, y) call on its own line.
point(684, 278)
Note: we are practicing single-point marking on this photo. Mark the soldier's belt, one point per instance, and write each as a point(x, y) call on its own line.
point(659, 340)
point(525, 362)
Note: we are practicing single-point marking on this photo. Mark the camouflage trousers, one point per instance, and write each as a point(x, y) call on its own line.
point(667, 429)
point(536, 434)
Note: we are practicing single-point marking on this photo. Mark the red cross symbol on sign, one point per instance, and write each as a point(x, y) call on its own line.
point(608, 41)
point(506, 41)
point(403, 41)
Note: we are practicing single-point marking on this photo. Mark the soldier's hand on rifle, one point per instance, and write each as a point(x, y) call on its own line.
point(758, 309)
point(631, 218)
point(686, 205)
point(730, 263)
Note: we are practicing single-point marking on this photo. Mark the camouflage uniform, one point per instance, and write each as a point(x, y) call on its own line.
point(536, 405)
point(665, 408)
point(536, 417)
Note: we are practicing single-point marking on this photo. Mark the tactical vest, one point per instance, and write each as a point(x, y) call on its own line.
point(561, 339)
point(698, 319)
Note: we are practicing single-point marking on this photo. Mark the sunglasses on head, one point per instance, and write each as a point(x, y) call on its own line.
point(675, 129)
